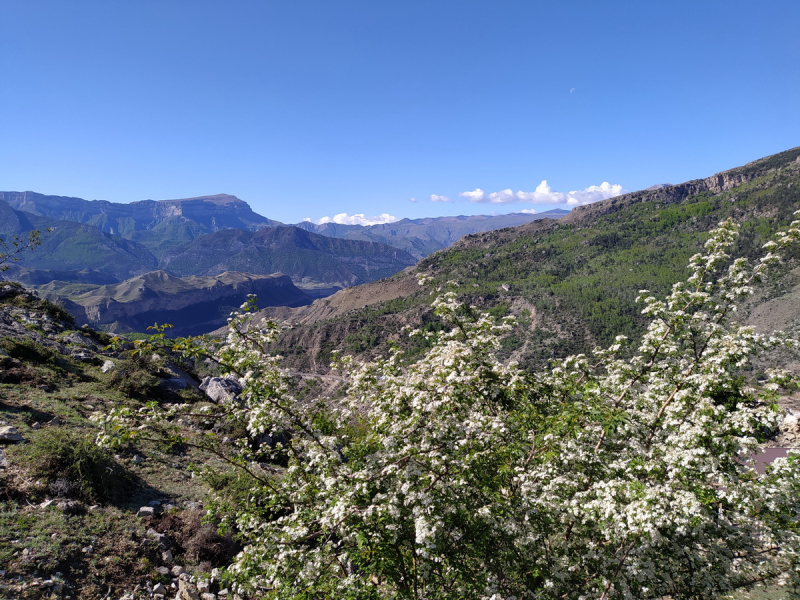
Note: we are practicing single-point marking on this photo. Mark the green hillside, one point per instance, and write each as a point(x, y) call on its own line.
point(308, 258)
point(573, 282)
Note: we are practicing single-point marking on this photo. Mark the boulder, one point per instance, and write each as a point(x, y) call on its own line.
point(186, 591)
point(10, 435)
point(221, 390)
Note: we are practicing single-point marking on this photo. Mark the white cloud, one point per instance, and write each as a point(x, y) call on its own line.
point(412, 199)
point(528, 211)
point(358, 219)
point(436, 198)
point(544, 194)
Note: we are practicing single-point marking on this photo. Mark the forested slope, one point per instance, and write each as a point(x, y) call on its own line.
point(573, 282)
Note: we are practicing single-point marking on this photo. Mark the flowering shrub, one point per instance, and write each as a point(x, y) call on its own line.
point(458, 476)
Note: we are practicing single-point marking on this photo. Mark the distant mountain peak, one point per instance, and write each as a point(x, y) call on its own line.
point(218, 199)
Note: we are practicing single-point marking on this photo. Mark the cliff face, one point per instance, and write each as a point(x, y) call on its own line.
point(787, 162)
point(194, 305)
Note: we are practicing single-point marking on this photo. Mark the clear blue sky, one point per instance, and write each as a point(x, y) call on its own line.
point(309, 109)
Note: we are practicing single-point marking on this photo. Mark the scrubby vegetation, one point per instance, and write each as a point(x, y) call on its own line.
point(71, 465)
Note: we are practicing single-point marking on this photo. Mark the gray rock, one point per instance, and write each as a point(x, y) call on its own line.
point(208, 596)
point(78, 339)
point(186, 591)
point(162, 539)
point(146, 511)
point(70, 507)
point(221, 390)
point(84, 356)
point(10, 435)
point(177, 570)
point(160, 589)
point(108, 366)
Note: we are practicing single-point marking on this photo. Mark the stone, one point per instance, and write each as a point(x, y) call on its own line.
point(162, 539)
point(221, 390)
point(70, 507)
point(163, 570)
point(146, 511)
point(160, 589)
point(83, 356)
point(108, 366)
point(186, 591)
point(167, 557)
point(10, 435)
point(208, 596)
point(177, 570)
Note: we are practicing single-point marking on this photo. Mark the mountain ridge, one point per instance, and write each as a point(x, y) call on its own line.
point(571, 282)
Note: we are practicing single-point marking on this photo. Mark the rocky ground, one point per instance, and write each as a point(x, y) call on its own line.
point(60, 538)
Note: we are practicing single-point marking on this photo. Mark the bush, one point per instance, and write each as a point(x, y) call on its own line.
point(133, 378)
point(604, 477)
point(29, 351)
point(73, 466)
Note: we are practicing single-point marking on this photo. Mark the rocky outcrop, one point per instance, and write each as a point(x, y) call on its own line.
point(670, 194)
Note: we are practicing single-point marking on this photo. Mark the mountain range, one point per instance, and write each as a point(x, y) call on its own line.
point(101, 243)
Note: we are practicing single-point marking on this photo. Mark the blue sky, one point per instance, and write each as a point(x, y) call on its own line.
point(316, 108)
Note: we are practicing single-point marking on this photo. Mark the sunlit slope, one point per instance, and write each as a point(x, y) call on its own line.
point(573, 282)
